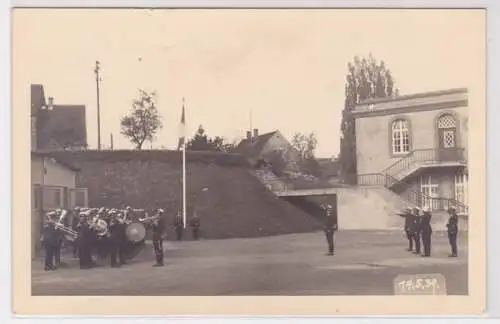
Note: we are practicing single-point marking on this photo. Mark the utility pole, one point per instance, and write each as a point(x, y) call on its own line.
point(98, 79)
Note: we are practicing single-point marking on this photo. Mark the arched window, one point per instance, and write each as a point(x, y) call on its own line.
point(447, 126)
point(400, 136)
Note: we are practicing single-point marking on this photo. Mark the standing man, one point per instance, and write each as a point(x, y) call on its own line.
point(75, 220)
point(158, 232)
point(452, 226)
point(331, 227)
point(195, 224)
point(49, 240)
point(416, 230)
point(426, 230)
point(115, 239)
point(85, 239)
point(179, 226)
point(408, 217)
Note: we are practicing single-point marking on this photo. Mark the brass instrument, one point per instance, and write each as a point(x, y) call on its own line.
point(69, 233)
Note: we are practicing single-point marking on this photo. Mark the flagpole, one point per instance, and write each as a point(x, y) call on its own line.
point(184, 213)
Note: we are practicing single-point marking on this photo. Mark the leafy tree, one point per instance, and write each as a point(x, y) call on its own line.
point(305, 145)
point(201, 142)
point(143, 121)
point(366, 78)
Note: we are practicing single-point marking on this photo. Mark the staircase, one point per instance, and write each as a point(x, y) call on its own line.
point(393, 177)
point(418, 159)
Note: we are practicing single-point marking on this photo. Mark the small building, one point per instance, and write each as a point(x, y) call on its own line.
point(56, 127)
point(416, 145)
point(54, 184)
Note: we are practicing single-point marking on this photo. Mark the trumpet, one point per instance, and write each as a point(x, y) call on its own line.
point(149, 219)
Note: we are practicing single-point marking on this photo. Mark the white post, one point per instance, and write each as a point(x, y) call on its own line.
point(184, 218)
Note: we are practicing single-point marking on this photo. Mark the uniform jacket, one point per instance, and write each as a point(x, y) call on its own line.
point(452, 224)
point(426, 223)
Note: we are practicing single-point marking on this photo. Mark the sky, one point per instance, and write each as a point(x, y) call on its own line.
point(286, 67)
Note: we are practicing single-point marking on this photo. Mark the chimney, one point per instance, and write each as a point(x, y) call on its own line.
point(51, 103)
point(249, 135)
point(255, 132)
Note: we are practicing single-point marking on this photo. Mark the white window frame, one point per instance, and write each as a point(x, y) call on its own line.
point(462, 189)
point(430, 189)
point(400, 131)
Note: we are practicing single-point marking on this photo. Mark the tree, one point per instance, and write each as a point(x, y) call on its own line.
point(143, 121)
point(366, 79)
point(201, 142)
point(305, 145)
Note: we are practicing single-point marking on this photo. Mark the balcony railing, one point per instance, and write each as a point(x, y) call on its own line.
point(425, 156)
point(412, 195)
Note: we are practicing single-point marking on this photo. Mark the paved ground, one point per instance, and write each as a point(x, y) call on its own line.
point(366, 263)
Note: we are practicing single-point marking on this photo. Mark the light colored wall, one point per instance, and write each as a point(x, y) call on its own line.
point(373, 137)
point(57, 174)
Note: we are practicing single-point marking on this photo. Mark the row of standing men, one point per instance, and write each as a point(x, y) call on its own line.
point(418, 230)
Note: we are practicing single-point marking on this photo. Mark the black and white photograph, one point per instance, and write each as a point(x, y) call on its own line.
point(250, 152)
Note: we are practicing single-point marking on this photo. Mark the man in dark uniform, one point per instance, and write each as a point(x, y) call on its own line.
point(50, 242)
point(59, 238)
point(426, 231)
point(195, 224)
point(408, 217)
point(452, 226)
point(158, 232)
point(85, 240)
point(75, 220)
point(415, 229)
point(116, 232)
point(179, 226)
point(330, 228)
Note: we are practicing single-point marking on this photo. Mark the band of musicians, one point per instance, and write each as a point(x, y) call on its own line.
point(117, 234)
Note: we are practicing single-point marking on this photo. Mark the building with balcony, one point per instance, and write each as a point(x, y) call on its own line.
point(416, 146)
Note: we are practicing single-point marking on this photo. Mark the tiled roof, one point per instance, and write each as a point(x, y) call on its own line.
point(252, 148)
point(62, 126)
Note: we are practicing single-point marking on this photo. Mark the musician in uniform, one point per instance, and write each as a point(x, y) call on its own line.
point(85, 240)
point(158, 227)
point(195, 224)
point(59, 239)
point(415, 229)
point(49, 240)
point(75, 220)
point(330, 228)
point(179, 226)
point(452, 227)
point(426, 231)
point(117, 236)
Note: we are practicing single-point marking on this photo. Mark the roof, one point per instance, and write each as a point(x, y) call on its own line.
point(37, 98)
point(63, 162)
point(63, 126)
point(252, 148)
point(415, 96)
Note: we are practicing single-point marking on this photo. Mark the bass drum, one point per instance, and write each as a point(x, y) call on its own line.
point(136, 240)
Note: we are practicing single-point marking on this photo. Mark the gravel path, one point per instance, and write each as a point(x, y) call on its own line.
point(366, 263)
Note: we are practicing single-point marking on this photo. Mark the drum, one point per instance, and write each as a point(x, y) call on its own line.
point(135, 232)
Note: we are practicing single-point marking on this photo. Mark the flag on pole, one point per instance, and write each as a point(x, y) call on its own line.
point(182, 128)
